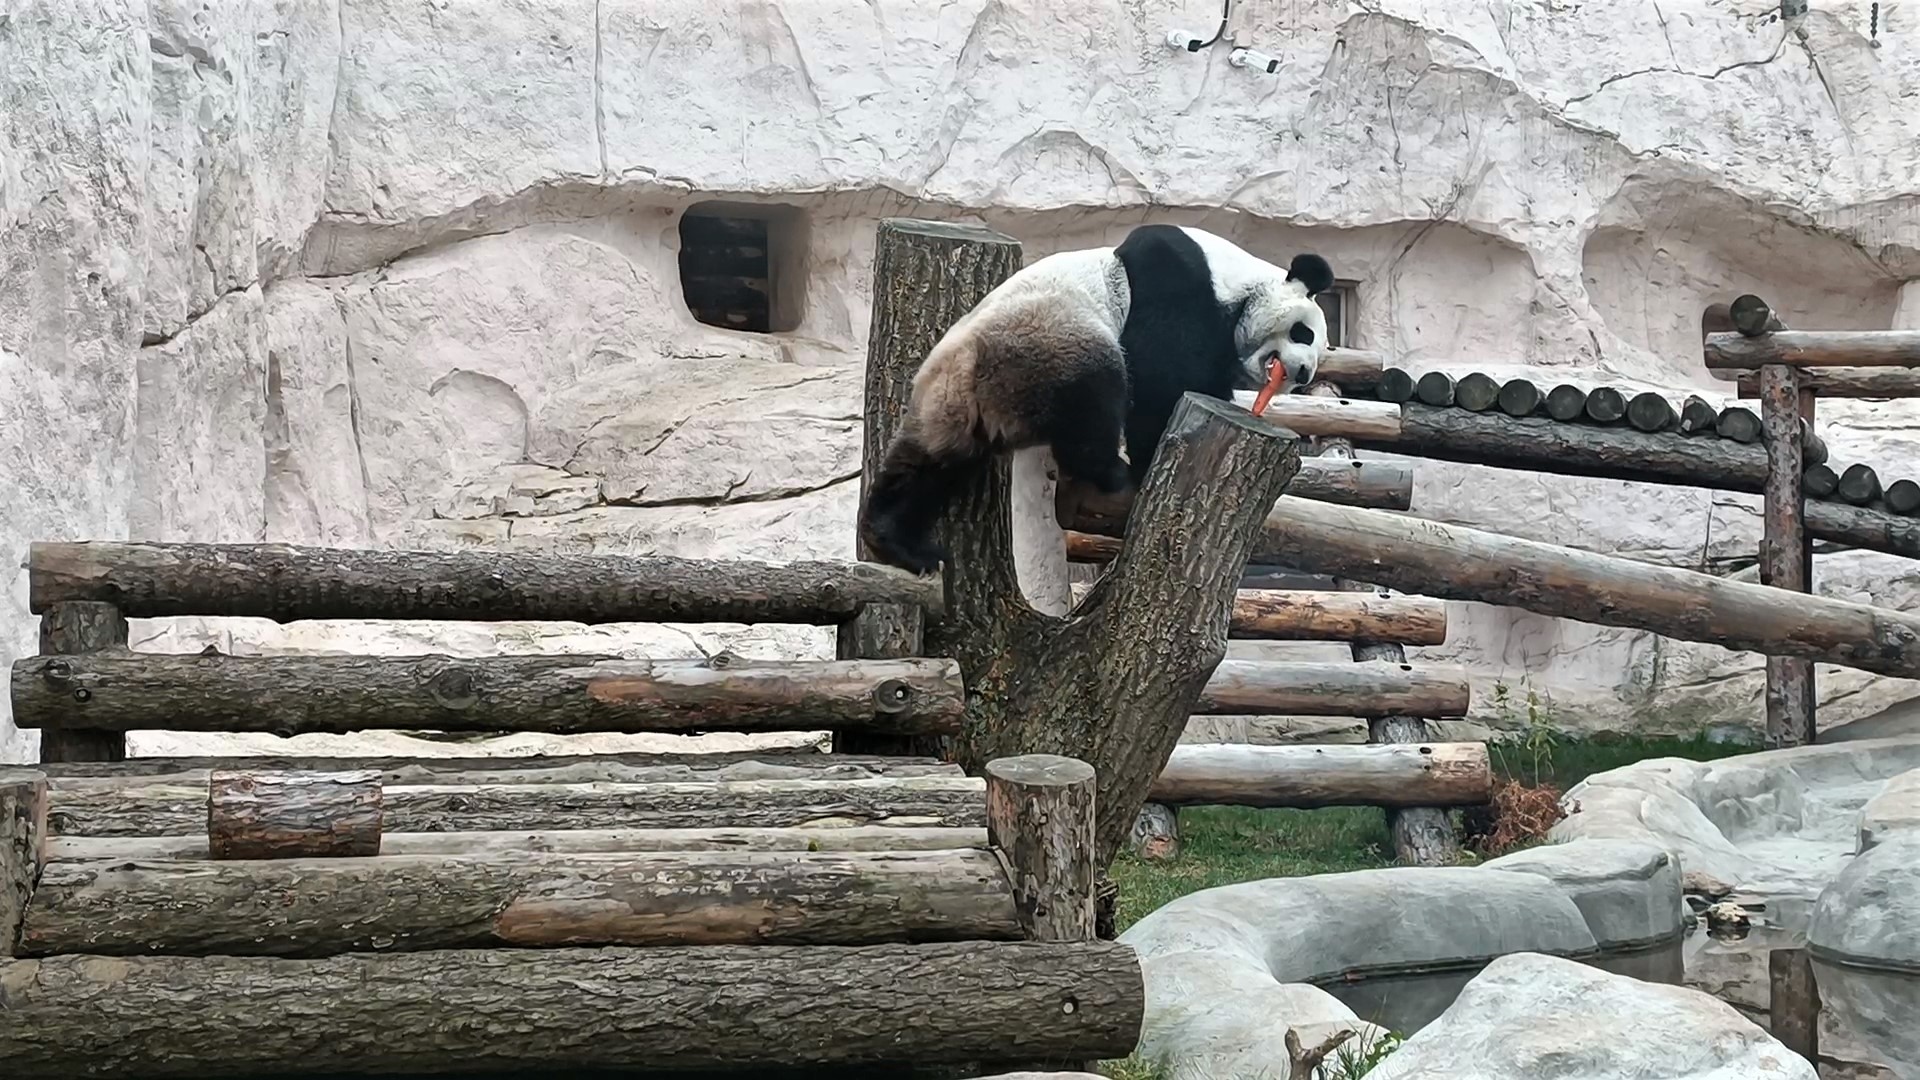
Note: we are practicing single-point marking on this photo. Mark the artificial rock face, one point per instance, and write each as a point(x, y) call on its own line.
point(377, 272)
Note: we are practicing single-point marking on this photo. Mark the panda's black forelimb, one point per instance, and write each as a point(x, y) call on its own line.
point(904, 503)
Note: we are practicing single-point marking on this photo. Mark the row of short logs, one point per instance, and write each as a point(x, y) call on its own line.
point(1647, 412)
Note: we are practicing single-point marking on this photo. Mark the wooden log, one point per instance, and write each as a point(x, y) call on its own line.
point(413, 902)
point(1879, 384)
point(1277, 688)
point(170, 809)
point(71, 629)
point(1863, 527)
point(1309, 777)
point(1317, 417)
point(1783, 563)
point(23, 836)
point(1752, 317)
point(1793, 1002)
point(1814, 348)
point(1859, 485)
point(1040, 816)
point(1605, 405)
point(790, 763)
point(564, 694)
point(292, 815)
point(1383, 485)
point(1476, 392)
point(1903, 497)
point(926, 276)
point(1651, 412)
point(1085, 547)
point(1520, 397)
point(1285, 615)
point(1566, 402)
point(1819, 481)
point(1351, 369)
point(1396, 386)
point(1457, 563)
point(1435, 388)
point(285, 583)
point(1738, 423)
point(1697, 417)
point(828, 837)
point(188, 1018)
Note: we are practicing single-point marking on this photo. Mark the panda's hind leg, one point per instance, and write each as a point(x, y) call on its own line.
point(1085, 424)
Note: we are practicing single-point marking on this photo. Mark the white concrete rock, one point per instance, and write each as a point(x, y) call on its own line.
point(407, 273)
point(1893, 812)
point(1533, 1017)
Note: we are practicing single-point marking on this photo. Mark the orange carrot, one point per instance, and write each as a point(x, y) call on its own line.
point(1276, 375)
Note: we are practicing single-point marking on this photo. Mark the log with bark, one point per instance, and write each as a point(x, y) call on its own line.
point(1903, 497)
point(1284, 615)
point(285, 583)
point(166, 808)
point(1697, 417)
point(1881, 384)
point(1397, 386)
point(1605, 405)
point(1320, 417)
point(1783, 547)
point(1814, 348)
point(1040, 815)
point(1383, 485)
point(1820, 481)
point(23, 840)
point(1859, 485)
point(1308, 777)
point(1651, 412)
point(1435, 388)
point(1458, 563)
point(290, 695)
point(1738, 423)
point(1476, 392)
point(1566, 402)
point(555, 1011)
point(1520, 397)
point(1351, 369)
point(290, 815)
point(76, 627)
point(392, 903)
point(1287, 688)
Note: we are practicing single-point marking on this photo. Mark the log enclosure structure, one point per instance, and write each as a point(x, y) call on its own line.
point(608, 897)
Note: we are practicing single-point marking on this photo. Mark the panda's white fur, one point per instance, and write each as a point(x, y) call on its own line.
point(1087, 351)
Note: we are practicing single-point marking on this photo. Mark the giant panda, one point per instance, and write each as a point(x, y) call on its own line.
point(1083, 351)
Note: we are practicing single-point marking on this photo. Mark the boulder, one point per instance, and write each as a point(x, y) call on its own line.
point(1628, 891)
point(1895, 810)
point(1533, 1017)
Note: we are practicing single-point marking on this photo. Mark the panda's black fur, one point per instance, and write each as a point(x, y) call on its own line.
point(1084, 351)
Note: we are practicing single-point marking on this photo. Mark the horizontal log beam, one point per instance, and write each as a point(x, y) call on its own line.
point(1280, 615)
point(1369, 690)
point(554, 1011)
point(1459, 563)
point(1384, 485)
point(1388, 775)
point(630, 768)
point(167, 808)
point(413, 902)
point(285, 815)
point(1320, 417)
point(286, 583)
point(1868, 383)
point(565, 842)
point(291, 695)
point(1351, 369)
point(1814, 348)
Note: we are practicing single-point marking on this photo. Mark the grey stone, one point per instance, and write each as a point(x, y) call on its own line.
point(1895, 810)
point(1533, 1017)
point(1628, 891)
point(1870, 915)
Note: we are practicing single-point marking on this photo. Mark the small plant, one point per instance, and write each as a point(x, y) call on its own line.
point(1526, 801)
point(1357, 1058)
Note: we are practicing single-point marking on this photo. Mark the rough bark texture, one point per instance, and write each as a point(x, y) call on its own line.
point(926, 275)
point(556, 1010)
point(775, 764)
point(1040, 816)
point(172, 809)
point(1872, 383)
point(286, 815)
point(290, 695)
point(283, 582)
point(1793, 1002)
point(1317, 417)
point(1283, 615)
point(325, 907)
point(1287, 688)
point(23, 835)
point(1863, 527)
point(1401, 775)
point(1790, 692)
point(1814, 348)
point(1458, 563)
point(75, 628)
point(567, 842)
point(1383, 485)
point(1113, 683)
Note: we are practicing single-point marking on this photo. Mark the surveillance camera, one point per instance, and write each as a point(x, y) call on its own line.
point(1181, 39)
point(1247, 58)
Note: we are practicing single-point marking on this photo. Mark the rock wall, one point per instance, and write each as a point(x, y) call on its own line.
point(405, 272)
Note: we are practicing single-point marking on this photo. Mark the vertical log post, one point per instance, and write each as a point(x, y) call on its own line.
point(66, 629)
point(1783, 547)
point(1793, 1002)
point(1422, 835)
point(23, 832)
point(1040, 819)
point(292, 815)
point(926, 275)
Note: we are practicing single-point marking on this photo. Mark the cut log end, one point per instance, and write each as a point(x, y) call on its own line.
point(1476, 392)
point(1650, 412)
point(1520, 397)
point(1605, 405)
point(1435, 388)
point(1752, 316)
point(1903, 497)
point(1396, 386)
point(1697, 417)
point(1566, 402)
point(1859, 485)
point(1739, 424)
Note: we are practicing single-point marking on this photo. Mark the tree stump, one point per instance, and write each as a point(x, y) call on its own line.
point(1040, 817)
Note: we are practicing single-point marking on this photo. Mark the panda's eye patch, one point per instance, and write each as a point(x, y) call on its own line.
point(1301, 334)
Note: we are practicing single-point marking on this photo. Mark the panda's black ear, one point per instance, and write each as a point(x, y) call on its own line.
point(1311, 271)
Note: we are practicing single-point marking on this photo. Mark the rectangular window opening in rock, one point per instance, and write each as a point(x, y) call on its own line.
point(743, 265)
point(1338, 303)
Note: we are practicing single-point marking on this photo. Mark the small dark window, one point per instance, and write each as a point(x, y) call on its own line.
point(743, 265)
point(1337, 304)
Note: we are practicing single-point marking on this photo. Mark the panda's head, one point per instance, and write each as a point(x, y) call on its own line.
point(1282, 322)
